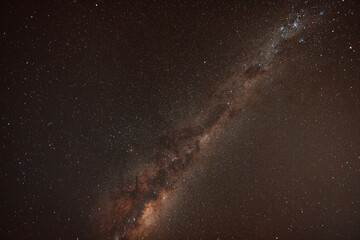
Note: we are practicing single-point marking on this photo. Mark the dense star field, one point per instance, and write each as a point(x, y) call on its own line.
point(180, 120)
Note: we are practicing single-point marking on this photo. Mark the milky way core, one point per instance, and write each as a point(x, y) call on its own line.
point(137, 204)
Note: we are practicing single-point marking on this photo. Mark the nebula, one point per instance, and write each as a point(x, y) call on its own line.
point(137, 201)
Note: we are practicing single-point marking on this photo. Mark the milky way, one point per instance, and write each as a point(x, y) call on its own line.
point(129, 211)
point(180, 119)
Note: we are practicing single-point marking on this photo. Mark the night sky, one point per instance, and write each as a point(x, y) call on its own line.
point(180, 120)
